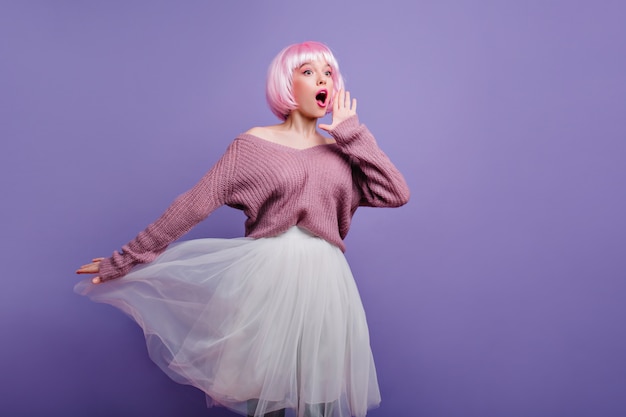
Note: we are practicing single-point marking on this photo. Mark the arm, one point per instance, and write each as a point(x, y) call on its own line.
point(380, 182)
point(185, 212)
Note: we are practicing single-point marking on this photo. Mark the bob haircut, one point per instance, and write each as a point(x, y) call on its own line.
point(279, 91)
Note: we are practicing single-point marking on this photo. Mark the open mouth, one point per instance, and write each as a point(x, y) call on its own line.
point(321, 97)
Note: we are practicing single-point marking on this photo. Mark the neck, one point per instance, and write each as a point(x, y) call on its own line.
point(305, 127)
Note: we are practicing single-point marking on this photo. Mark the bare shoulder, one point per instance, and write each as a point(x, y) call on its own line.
point(263, 132)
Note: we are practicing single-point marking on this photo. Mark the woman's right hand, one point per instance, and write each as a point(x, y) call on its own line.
point(91, 268)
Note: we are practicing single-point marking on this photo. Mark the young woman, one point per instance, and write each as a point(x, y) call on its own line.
point(272, 321)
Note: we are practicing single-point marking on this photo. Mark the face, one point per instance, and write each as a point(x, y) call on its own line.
point(313, 88)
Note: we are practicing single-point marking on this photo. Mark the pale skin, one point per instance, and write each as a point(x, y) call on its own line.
point(299, 130)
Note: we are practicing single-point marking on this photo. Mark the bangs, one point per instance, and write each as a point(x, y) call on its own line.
point(307, 54)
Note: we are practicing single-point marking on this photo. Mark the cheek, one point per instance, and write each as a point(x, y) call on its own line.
point(297, 88)
point(331, 87)
point(302, 90)
point(297, 94)
point(331, 90)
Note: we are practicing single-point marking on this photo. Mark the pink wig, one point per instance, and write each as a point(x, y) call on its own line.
point(279, 92)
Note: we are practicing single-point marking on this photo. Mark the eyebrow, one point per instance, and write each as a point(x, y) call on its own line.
point(309, 63)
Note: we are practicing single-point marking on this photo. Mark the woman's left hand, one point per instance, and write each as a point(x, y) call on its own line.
point(343, 109)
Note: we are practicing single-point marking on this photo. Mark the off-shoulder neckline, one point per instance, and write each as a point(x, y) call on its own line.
point(281, 146)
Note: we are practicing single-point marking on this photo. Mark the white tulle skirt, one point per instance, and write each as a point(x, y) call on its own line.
point(257, 324)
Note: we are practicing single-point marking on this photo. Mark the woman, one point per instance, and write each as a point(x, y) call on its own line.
point(272, 321)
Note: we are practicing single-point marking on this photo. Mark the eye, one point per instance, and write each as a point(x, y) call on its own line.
point(329, 73)
point(307, 72)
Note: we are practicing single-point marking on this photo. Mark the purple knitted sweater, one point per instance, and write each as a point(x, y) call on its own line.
point(278, 187)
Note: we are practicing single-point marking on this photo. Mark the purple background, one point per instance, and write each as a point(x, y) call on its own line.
point(499, 290)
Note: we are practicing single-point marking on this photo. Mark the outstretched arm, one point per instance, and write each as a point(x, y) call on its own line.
point(185, 212)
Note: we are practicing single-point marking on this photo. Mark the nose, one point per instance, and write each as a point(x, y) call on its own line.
point(321, 81)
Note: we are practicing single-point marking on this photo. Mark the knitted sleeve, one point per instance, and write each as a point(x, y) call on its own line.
point(186, 211)
point(380, 182)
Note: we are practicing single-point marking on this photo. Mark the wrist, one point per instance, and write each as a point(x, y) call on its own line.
point(347, 128)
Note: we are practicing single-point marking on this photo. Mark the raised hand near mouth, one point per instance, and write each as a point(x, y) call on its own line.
point(343, 109)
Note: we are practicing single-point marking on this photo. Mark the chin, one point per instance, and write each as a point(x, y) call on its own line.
point(321, 113)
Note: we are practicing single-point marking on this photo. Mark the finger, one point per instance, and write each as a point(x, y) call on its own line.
point(341, 96)
point(97, 259)
point(354, 105)
point(92, 268)
point(347, 100)
point(96, 280)
point(324, 127)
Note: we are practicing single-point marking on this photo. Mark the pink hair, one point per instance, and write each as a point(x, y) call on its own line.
point(279, 92)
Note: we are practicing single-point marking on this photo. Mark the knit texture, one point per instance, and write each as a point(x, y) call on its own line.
point(278, 187)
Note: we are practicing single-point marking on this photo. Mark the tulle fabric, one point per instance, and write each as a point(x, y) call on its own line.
point(257, 324)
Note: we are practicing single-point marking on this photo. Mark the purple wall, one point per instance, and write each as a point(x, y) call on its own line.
point(498, 291)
